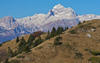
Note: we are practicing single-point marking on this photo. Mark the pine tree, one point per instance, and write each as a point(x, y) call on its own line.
point(56, 42)
point(10, 52)
point(61, 30)
point(22, 45)
point(66, 28)
point(30, 40)
point(27, 49)
point(37, 41)
point(22, 42)
point(17, 40)
point(79, 23)
point(40, 40)
point(84, 21)
point(58, 31)
point(48, 36)
point(53, 32)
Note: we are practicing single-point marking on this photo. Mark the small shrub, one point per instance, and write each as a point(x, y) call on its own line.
point(57, 43)
point(58, 38)
point(14, 61)
point(94, 59)
point(39, 47)
point(15, 53)
point(20, 56)
point(95, 53)
point(68, 46)
point(78, 55)
point(86, 26)
point(10, 52)
point(72, 32)
point(86, 49)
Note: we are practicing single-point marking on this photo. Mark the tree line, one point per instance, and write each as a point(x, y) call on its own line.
point(25, 46)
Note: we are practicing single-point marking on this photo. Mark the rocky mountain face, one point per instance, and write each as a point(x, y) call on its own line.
point(10, 28)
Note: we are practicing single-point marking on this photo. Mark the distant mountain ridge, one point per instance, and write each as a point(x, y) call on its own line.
point(10, 28)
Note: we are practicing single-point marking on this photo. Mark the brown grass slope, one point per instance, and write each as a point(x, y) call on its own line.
point(12, 44)
point(84, 39)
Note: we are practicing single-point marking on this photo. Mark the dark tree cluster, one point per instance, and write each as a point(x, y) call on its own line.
point(55, 32)
point(11, 53)
point(30, 40)
point(25, 46)
point(37, 41)
point(22, 45)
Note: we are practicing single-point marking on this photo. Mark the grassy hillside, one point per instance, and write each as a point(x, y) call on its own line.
point(80, 44)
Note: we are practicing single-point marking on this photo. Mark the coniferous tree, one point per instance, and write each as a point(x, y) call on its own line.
point(30, 40)
point(22, 45)
point(66, 28)
point(15, 53)
point(79, 23)
point(53, 32)
point(22, 42)
point(17, 40)
point(48, 36)
point(58, 31)
point(10, 52)
point(27, 49)
point(61, 30)
point(37, 41)
point(48, 33)
point(84, 21)
point(40, 40)
point(56, 42)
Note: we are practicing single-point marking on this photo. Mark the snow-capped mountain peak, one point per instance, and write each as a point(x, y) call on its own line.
point(58, 6)
point(7, 22)
point(58, 16)
point(61, 10)
point(7, 18)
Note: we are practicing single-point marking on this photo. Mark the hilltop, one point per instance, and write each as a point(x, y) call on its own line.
point(78, 44)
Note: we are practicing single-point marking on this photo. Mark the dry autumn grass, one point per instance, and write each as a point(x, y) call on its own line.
point(79, 42)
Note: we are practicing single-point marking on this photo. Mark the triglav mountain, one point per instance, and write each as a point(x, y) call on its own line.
point(10, 28)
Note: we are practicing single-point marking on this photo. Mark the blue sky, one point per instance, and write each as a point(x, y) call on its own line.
point(24, 8)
